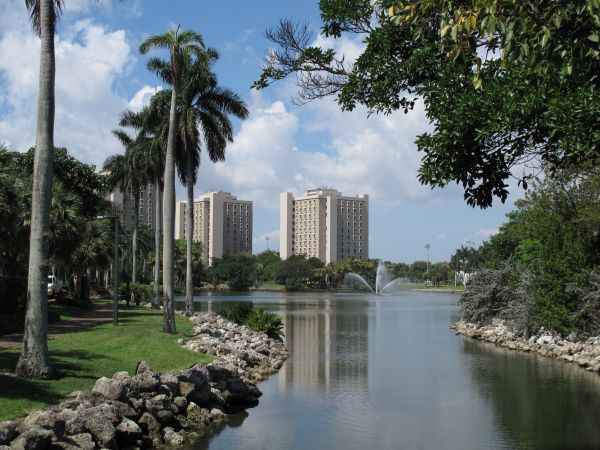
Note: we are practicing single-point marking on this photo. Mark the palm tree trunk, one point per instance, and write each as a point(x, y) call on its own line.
point(34, 361)
point(169, 221)
point(136, 222)
point(157, 232)
point(189, 229)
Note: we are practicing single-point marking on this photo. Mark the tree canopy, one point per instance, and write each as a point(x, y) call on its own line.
point(510, 88)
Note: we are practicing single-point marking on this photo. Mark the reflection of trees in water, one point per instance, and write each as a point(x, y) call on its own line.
point(538, 402)
point(328, 342)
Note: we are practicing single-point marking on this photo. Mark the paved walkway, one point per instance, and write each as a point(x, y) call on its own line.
point(100, 313)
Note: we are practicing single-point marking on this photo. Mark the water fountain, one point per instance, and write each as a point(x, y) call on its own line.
point(384, 280)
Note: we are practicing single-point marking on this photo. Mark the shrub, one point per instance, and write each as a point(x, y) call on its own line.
point(485, 298)
point(237, 312)
point(588, 313)
point(265, 322)
point(142, 292)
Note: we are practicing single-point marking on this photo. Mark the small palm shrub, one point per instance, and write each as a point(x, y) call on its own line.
point(237, 312)
point(265, 322)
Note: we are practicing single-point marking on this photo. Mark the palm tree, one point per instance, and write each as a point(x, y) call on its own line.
point(34, 361)
point(136, 176)
point(153, 121)
point(204, 116)
point(179, 45)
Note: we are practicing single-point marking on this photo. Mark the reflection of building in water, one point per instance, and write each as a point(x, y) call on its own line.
point(324, 345)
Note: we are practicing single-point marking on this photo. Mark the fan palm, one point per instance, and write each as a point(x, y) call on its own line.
point(204, 117)
point(179, 46)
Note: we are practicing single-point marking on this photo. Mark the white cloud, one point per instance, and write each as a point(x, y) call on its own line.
point(142, 97)
point(440, 236)
point(89, 59)
point(354, 153)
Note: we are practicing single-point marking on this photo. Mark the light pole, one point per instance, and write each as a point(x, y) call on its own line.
point(427, 246)
point(115, 315)
point(116, 275)
point(267, 238)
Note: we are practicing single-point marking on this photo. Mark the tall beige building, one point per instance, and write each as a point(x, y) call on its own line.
point(146, 211)
point(325, 224)
point(222, 223)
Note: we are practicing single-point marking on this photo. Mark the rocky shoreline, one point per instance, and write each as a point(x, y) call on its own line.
point(584, 353)
point(154, 410)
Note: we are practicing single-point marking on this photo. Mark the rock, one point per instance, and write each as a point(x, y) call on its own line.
point(35, 438)
point(144, 367)
point(181, 403)
point(101, 429)
point(150, 426)
point(47, 420)
point(157, 403)
point(185, 388)
point(76, 442)
point(8, 431)
point(170, 380)
point(111, 389)
point(123, 378)
point(73, 421)
point(145, 379)
point(165, 417)
point(128, 432)
point(217, 414)
point(172, 438)
point(197, 416)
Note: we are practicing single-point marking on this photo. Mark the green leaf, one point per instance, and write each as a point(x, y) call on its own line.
point(593, 37)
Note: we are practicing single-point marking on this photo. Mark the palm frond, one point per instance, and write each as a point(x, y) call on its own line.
point(33, 6)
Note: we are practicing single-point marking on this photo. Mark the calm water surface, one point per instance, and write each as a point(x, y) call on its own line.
point(375, 372)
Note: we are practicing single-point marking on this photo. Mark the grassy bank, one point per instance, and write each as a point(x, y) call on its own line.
point(81, 357)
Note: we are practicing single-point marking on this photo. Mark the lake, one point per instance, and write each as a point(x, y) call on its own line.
point(385, 372)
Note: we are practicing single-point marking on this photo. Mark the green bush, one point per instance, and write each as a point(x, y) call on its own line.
point(142, 292)
point(257, 319)
point(265, 322)
point(237, 312)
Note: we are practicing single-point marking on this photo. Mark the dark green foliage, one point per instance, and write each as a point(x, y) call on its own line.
point(237, 271)
point(265, 322)
point(550, 249)
point(143, 292)
point(237, 312)
point(486, 297)
point(257, 319)
point(77, 239)
point(504, 84)
point(588, 312)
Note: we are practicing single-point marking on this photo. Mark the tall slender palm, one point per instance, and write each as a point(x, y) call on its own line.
point(153, 121)
point(34, 360)
point(130, 174)
point(204, 117)
point(179, 45)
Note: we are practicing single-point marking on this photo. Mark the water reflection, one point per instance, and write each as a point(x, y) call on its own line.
point(541, 403)
point(327, 344)
point(386, 372)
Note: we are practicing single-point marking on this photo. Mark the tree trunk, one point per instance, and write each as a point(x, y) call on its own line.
point(157, 250)
point(34, 361)
point(136, 222)
point(189, 230)
point(169, 220)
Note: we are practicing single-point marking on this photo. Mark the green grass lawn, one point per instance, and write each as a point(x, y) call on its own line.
point(79, 358)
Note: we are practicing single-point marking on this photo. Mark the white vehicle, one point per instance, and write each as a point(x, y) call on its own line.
point(54, 286)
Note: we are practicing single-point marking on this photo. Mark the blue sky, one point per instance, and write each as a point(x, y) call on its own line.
point(280, 147)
